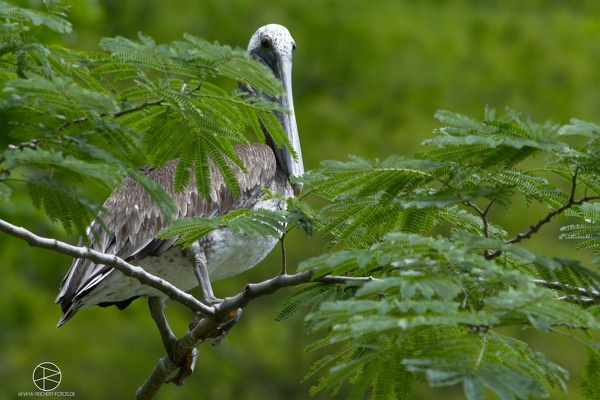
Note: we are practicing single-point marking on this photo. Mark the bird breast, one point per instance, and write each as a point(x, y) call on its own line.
point(226, 254)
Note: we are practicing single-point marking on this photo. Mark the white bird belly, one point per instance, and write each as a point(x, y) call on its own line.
point(234, 255)
point(226, 255)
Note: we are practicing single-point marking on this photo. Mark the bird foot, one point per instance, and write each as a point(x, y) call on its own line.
point(186, 365)
point(223, 329)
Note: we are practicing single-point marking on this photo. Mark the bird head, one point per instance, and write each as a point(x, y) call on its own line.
point(273, 46)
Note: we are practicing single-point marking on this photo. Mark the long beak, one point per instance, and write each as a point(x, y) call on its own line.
point(291, 166)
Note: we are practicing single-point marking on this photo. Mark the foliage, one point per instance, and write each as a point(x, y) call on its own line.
point(95, 116)
point(448, 277)
point(248, 221)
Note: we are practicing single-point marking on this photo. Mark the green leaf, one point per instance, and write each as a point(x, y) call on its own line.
point(62, 203)
point(5, 192)
point(249, 221)
point(590, 385)
point(54, 21)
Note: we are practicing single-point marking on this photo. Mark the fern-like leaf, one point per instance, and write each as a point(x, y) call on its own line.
point(248, 221)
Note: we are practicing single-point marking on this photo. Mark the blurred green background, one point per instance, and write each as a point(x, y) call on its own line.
point(368, 77)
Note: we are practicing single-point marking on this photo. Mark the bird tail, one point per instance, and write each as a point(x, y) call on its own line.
point(68, 310)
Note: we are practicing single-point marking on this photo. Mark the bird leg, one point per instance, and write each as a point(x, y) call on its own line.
point(209, 298)
point(201, 272)
point(187, 363)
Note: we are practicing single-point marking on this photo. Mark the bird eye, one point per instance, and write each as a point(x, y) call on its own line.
point(265, 42)
point(293, 47)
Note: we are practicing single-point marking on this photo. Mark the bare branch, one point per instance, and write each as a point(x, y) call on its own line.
point(588, 293)
point(483, 214)
point(283, 255)
point(533, 229)
point(32, 144)
point(111, 260)
point(208, 327)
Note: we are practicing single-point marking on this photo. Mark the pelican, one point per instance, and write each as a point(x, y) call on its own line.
point(134, 221)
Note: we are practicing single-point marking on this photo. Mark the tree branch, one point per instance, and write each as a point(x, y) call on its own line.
point(536, 227)
point(32, 144)
point(111, 260)
point(210, 326)
point(591, 295)
point(483, 214)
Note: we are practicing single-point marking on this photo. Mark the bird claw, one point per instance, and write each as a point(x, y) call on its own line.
point(186, 364)
point(223, 329)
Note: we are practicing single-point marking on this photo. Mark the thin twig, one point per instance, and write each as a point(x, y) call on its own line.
point(590, 293)
point(114, 115)
point(32, 144)
point(283, 255)
point(533, 229)
point(484, 218)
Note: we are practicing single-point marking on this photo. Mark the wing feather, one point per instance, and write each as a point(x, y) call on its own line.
point(133, 220)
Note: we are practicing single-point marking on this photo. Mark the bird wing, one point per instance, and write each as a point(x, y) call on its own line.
point(133, 220)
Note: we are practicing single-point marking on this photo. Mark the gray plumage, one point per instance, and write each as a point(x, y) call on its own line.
point(134, 220)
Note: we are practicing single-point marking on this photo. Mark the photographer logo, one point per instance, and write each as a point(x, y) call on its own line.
point(47, 376)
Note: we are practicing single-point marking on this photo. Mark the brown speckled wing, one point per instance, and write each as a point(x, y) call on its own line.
point(134, 220)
